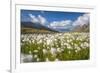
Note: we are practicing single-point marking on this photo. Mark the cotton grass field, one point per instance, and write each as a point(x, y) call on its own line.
point(44, 47)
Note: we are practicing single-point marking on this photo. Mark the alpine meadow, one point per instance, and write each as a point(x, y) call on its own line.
point(50, 36)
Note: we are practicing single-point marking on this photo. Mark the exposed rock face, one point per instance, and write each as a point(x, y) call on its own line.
point(83, 28)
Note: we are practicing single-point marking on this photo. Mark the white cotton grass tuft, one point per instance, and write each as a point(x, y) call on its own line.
point(35, 56)
point(38, 59)
point(69, 52)
point(76, 51)
point(56, 59)
point(35, 51)
point(58, 50)
point(53, 50)
point(47, 60)
point(48, 42)
point(30, 52)
point(44, 51)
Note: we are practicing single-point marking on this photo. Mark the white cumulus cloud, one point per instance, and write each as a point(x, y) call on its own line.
point(60, 24)
point(33, 18)
point(82, 20)
point(39, 19)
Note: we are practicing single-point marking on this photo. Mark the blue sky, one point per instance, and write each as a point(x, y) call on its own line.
point(50, 15)
point(55, 19)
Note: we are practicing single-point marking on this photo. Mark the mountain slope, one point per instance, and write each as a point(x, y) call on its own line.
point(83, 28)
point(35, 27)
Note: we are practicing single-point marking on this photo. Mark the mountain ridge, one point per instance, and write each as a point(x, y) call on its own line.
point(37, 27)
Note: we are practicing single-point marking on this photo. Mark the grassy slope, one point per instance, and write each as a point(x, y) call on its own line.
point(32, 30)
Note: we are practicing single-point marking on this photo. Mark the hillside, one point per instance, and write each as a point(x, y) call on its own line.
point(29, 27)
point(33, 30)
point(84, 28)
